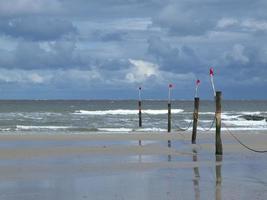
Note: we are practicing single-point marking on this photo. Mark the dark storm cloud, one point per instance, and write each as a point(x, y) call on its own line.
point(106, 9)
point(31, 55)
point(108, 36)
point(164, 53)
point(119, 43)
point(15, 8)
point(179, 58)
point(198, 17)
point(37, 28)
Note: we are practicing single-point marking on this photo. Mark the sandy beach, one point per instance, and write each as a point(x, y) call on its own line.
point(114, 166)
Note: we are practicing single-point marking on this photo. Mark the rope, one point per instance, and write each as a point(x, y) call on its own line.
point(184, 129)
point(211, 126)
point(177, 132)
point(242, 144)
point(177, 126)
point(147, 115)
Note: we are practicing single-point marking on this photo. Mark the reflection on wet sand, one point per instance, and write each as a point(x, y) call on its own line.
point(218, 192)
point(169, 158)
point(196, 177)
point(218, 195)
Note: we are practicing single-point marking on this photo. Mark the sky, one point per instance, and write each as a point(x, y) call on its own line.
point(106, 49)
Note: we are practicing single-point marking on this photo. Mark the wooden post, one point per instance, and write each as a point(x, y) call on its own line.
point(218, 145)
point(169, 112)
point(140, 118)
point(140, 113)
point(195, 120)
point(169, 122)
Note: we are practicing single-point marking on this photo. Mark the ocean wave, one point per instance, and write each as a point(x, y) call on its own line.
point(22, 127)
point(125, 112)
point(247, 123)
point(154, 129)
point(5, 129)
point(226, 116)
point(115, 129)
point(224, 129)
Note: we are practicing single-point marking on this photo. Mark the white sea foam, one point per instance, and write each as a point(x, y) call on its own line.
point(234, 115)
point(5, 129)
point(238, 129)
point(226, 116)
point(154, 129)
point(115, 129)
point(246, 123)
point(22, 127)
point(125, 112)
point(206, 113)
point(251, 113)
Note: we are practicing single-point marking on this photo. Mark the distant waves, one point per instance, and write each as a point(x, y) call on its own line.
point(126, 112)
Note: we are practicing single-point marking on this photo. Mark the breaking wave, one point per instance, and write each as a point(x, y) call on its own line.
point(125, 112)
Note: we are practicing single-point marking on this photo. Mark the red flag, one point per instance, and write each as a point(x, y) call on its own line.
point(170, 85)
point(211, 72)
point(198, 82)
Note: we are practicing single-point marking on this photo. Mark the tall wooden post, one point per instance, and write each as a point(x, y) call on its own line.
point(169, 113)
point(218, 145)
point(140, 112)
point(195, 120)
point(169, 117)
point(169, 122)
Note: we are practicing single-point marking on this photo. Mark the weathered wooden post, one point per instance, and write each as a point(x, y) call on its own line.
point(218, 146)
point(169, 117)
point(140, 108)
point(195, 120)
point(169, 113)
point(140, 111)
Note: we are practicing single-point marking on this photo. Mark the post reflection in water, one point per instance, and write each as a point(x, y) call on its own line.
point(196, 177)
point(169, 158)
point(218, 192)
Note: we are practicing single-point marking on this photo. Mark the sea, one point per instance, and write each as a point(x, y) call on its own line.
point(121, 116)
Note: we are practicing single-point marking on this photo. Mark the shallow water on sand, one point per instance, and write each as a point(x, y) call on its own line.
point(114, 172)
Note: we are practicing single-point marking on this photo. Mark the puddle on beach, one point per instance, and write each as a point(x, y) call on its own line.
point(196, 175)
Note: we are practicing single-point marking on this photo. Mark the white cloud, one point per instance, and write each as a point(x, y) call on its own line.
point(79, 75)
point(244, 25)
point(36, 78)
point(141, 70)
point(237, 54)
point(23, 76)
point(227, 22)
point(254, 25)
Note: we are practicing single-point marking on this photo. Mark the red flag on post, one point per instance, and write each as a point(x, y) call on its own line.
point(197, 85)
point(211, 79)
point(170, 87)
point(211, 71)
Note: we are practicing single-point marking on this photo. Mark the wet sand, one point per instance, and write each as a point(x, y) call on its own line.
point(114, 166)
